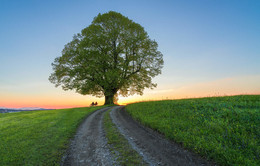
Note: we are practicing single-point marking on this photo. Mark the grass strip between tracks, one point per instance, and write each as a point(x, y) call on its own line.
point(119, 146)
point(225, 129)
point(38, 137)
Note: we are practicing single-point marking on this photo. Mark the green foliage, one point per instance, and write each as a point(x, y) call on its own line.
point(113, 55)
point(38, 137)
point(119, 146)
point(225, 129)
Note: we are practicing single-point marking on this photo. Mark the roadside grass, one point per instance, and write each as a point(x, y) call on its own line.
point(38, 137)
point(119, 146)
point(225, 129)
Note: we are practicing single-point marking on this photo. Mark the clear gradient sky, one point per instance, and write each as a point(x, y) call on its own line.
point(210, 47)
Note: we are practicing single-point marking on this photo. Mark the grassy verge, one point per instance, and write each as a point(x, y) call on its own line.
point(38, 137)
point(225, 129)
point(119, 146)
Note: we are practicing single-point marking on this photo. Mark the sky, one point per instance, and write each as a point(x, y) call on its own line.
point(210, 47)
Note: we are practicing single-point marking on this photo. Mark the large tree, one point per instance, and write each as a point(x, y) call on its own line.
point(112, 56)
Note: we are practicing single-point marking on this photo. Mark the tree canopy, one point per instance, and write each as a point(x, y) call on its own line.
point(112, 56)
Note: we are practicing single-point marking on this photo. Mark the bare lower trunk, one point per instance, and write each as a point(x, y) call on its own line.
point(109, 99)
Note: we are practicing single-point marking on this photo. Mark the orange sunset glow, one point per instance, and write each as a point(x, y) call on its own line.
point(69, 99)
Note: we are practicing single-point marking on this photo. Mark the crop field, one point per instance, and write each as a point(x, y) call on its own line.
point(223, 129)
point(38, 137)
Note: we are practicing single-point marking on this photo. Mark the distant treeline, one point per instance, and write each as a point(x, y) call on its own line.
point(15, 110)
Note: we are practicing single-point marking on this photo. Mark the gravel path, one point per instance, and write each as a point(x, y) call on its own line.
point(89, 146)
point(155, 149)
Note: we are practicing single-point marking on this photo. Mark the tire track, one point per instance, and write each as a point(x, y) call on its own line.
point(89, 146)
point(153, 147)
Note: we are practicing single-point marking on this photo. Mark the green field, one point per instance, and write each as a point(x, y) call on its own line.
point(224, 129)
point(38, 137)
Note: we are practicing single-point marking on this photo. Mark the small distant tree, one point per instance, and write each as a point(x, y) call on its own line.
point(112, 56)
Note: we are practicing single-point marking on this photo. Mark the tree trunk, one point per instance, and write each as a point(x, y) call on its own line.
point(109, 99)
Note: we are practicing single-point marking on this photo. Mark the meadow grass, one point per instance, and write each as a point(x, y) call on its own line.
point(119, 146)
point(224, 129)
point(38, 137)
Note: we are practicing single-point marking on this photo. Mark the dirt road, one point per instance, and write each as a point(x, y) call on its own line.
point(89, 147)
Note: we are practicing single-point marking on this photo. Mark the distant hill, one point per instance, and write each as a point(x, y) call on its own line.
point(8, 110)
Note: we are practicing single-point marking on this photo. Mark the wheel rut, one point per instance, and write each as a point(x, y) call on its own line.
point(89, 146)
point(152, 146)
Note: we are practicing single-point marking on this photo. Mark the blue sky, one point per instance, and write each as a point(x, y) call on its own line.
point(203, 42)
